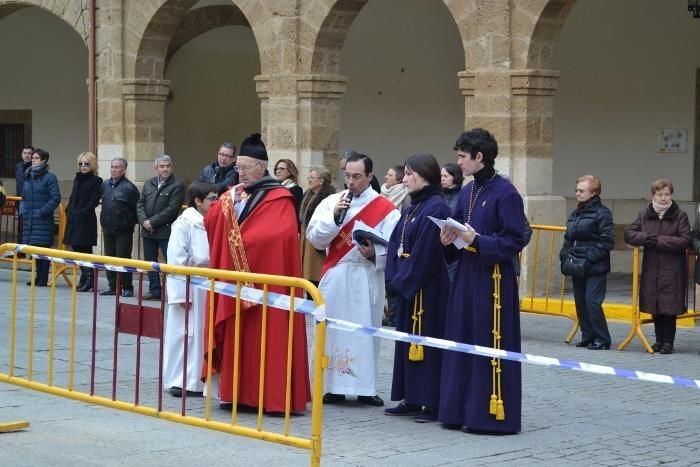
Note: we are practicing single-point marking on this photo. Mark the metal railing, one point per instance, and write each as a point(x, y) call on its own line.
point(145, 325)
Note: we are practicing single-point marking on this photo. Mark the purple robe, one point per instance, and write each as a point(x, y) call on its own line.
point(418, 382)
point(466, 385)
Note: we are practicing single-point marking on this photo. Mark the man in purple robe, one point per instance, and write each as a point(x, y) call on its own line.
point(479, 394)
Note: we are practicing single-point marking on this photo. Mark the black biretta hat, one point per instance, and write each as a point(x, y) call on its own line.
point(254, 147)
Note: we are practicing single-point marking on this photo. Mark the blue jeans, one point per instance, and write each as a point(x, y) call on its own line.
point(150, 253)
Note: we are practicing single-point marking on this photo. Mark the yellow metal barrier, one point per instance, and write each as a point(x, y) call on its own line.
point(72, 391)
point(10, 226)
point(542, 296)
point(537, 298)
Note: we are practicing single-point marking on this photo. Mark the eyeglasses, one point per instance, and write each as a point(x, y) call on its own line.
point(223, 154)
point(313, 178)
point(84, 164)
point(244, 168)
point(212, 198)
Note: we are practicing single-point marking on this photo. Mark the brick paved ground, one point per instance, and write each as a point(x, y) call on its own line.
point(569, 418)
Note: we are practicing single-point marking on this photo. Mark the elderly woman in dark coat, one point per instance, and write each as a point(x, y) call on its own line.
point(81, 231)
point(662, 228)
point(585, 255)
point(40, 198)
point(319, 189)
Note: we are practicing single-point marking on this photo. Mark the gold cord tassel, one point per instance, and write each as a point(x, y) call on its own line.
point(415, 351)
point(496, 403)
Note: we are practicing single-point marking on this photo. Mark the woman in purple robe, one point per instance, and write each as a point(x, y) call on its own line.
point(417, 275)
point(480, 394)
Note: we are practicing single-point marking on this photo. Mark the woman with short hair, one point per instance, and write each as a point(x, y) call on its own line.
point(40, 198)
point(393, 188)
point(81, 229)
point(319, 189)
point(663, 229)
point(585, 255)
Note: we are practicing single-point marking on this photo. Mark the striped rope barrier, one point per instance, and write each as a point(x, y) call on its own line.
point(305, 306)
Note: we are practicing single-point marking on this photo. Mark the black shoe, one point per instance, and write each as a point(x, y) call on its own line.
point(127, 293)
point(226, 406)
point(466, 429)
point(374, 401)
point(106, 292)
point(583, 343)
point(403, 409)
point(656, 347)
point(427, 416)
point(666, 348)
point(177, 392)
point(598, 346)
point(37, 284)
point(330, 398)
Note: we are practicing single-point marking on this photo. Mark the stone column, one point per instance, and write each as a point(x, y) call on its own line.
point(144, 121)
point(301, 119)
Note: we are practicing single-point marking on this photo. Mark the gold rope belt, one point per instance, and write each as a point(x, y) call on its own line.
point(496, 404)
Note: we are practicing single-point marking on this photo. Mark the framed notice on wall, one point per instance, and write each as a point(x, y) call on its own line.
point(673, 140)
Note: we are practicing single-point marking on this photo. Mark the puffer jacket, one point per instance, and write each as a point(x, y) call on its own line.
point(82, 221)
point(160, 206)
point(222, 177)
point(119, 200)
point(40, 198)
point(590, 234)
point(664, 278)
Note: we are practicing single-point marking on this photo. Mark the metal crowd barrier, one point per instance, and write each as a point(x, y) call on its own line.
point(61, 368)
point(543, 287)
point(11, 232)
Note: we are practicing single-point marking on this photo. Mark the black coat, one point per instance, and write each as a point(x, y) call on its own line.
point(696, 246)
point(119, 200)
point(160, 206)
point(82, 222)
point(590, 234)
point(222, 177)
point(664, 279)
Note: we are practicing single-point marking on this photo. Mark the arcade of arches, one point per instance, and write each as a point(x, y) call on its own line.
point(563, 86)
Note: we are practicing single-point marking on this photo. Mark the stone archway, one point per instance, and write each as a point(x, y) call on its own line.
point(321, 58)
point(72, 13)
point(155, 32)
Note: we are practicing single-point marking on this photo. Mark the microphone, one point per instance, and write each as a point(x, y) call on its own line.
point(343, 212)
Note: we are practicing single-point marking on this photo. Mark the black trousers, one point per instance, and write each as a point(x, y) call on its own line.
point(589, 293)
point(42, 268)
point(120, 246)
point(665, 328)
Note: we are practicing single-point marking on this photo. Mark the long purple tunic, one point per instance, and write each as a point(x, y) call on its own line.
point(418, 382)
point(466, 387)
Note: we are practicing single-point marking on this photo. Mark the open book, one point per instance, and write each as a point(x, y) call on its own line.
point(449, 222)
point(362, 232)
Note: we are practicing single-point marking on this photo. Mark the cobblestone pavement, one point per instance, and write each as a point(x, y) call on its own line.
point(569, 418)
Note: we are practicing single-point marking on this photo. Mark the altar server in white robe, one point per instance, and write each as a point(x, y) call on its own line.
point(188, 246)
point(352, 281)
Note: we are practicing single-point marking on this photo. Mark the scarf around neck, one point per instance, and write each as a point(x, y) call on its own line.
point(396, 193)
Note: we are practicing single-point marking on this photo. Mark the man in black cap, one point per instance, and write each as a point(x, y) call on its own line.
point(253, 228)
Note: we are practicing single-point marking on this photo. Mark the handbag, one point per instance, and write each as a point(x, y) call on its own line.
point(574, 266)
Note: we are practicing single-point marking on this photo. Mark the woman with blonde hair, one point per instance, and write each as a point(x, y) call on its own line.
point(287, 174)
point(663, 229)
point(585, 256)
point(81, 230)
point(319, 189)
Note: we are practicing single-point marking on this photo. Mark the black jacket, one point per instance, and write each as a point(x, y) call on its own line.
point(590, 234)
point(82, 221)
point(222, 177)
point(119, 200)
point(160, 206)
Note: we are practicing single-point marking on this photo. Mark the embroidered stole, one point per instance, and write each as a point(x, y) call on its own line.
point(372, 214)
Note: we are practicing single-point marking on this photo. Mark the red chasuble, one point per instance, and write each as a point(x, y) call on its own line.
point(271, 243)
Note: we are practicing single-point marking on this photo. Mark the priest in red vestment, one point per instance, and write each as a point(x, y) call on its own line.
point(253, 228)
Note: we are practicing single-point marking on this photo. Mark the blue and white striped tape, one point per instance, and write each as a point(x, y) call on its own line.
point(305, 306)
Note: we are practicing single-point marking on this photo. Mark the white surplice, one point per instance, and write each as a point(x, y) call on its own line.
point(188, 246)
point(353, 290)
